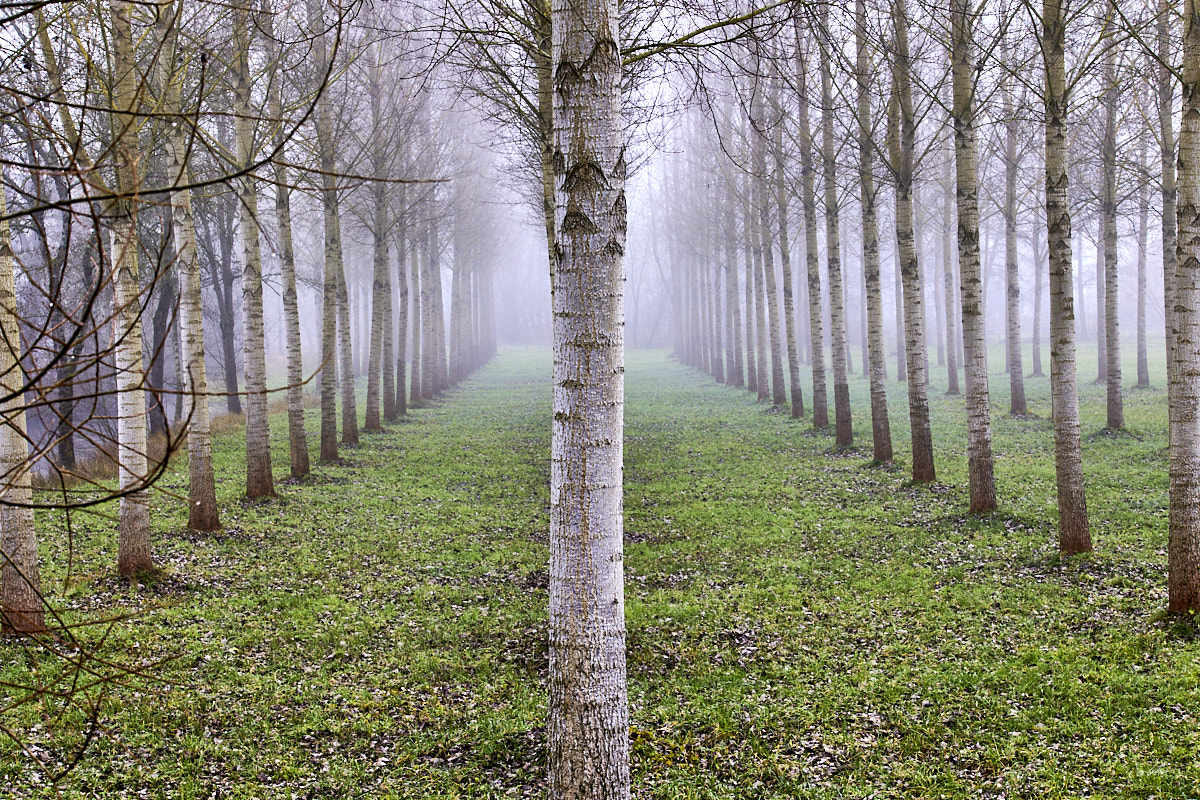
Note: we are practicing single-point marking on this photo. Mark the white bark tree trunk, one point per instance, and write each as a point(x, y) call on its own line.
point(588, 730)
point(1073, 533)
point(203, 514)
point(1183, 550)
point(133, 546)
point(979, 433)
point(259, 482)
point(881, 432)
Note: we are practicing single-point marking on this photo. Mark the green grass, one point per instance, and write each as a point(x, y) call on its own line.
point(800, 623)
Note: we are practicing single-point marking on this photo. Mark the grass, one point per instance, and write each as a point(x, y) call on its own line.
point(800, 623)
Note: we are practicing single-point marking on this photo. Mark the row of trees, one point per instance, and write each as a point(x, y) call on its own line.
point(955, 81)
point(136, 246)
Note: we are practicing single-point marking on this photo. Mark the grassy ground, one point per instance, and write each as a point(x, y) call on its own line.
point(800, 623)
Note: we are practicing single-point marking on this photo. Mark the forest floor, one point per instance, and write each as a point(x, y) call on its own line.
point(800, 622)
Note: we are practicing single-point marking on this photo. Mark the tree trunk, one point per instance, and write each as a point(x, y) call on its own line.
point(345, 353)
point(979, 433)
point(1166, 93)
point(1073, 534)
point(733, 311)
point(902, 143)
point(820, 402)
point(898, 286)
point(259, 482)
point(763, 194)
point(417, 311)
point(380, 290)
point(228, 319)
point(881, 433)
point(332, 267)
point(843, 428)
point(1016, 366)
point(785, 258)
point(203, 514)
point(21, 608)
point(1038, 277)
point(402, 306)
point(1183, 550)
point(588, 727)
point(950, 292)
point(1143, 365)
point(133, 547)
point(1111, 332)
point(752, 366)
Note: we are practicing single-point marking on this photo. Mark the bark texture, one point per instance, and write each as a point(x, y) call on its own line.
point(1073, 532)
point(820, 400)
point(1183, 549)
point(980, 469)
point(843, 427)
point(259, 482)
point(297, 438)
point(902, 138)
point(133, 543)
point(881, 433)
point(588, 729)
point(203, 514)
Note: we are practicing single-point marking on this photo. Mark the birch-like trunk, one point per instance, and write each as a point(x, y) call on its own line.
point(785, 258)
point(21, 608)
point(259, 482)
point(1039, 273)
point(588, 728)
point(1143, 363)
point(1111, 332)
point(332, 265)
point(881, 432)
point(808, 199)
point(898, 296)
point(1073, 533)
point(1183, 549)
point(980, 470)
point(843, 427)
point(345, 352)
point(902, 143)
point(415, 320)
point(770, 284)
point(1016, 365)
point(402, 306)
point(1166, 125)
point(380, 291)
point(733, 310)
point(297, 438)
point(203, 514)
point(133, 544)
point(436, 308)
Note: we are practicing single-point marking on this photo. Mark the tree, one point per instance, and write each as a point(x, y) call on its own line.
point(1183, 549)
point(808, 199)
point(901, 145)
point(588, 729)
point(979, 433)
point(203, 514)
point(259, 482)
point(297, 438)
point(843, 427)
point(881, 434)
point(1073, 533)
point(1108, 215)
point(133, 544)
